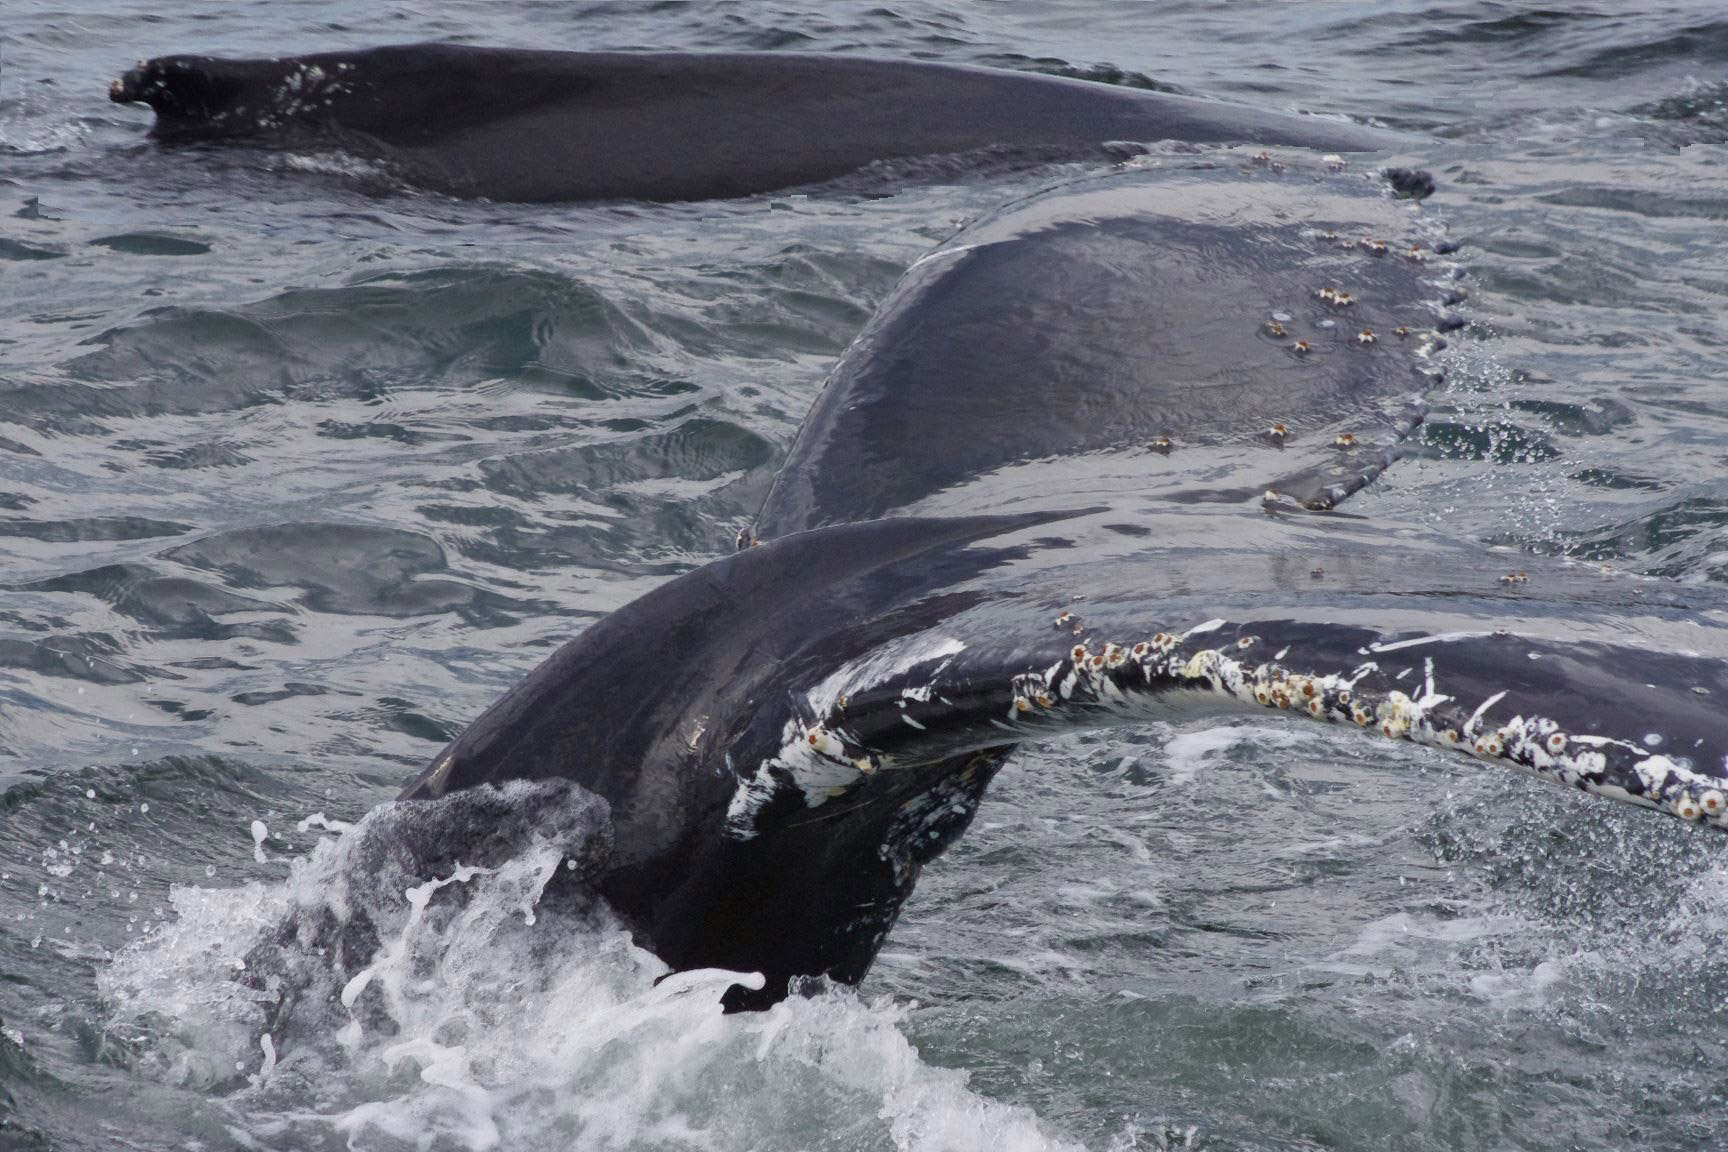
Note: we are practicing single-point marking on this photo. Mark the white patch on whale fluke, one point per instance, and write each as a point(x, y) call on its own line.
point(880, 665)
point(1437, 638)
point(746, 801)
point(818, 759)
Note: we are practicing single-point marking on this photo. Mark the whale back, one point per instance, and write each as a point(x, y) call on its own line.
point(517, 124)
point(1157, 329)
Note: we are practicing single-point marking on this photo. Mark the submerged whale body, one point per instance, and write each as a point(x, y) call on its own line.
point(514, 124)
point(1078, 472)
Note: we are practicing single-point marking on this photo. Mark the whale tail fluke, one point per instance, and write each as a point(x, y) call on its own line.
point(1631, 723)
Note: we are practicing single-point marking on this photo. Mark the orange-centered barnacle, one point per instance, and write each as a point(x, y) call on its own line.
point(1274, 327)
point(1401, 331)
point(1366, 336)
point(1079, 653)
point(1713, 802)
point(1301, 346)
point(1045, 700)
point(1556, 743)
point(1141, 648)
point(1021, 704)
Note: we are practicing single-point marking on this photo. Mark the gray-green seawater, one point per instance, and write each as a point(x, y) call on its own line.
point(299, 471)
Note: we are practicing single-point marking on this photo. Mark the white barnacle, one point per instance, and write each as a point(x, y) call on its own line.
point(826, 743)
point(1395, 715)
point(1655, 772)
point(1203, 665)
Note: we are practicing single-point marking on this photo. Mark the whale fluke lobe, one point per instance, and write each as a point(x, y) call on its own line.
point(517, 124)
point(1167, 324)
point(1631, 724)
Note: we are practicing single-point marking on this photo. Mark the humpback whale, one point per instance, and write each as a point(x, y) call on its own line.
point(1087, 466)
point(514, 124)
point(1083, 469)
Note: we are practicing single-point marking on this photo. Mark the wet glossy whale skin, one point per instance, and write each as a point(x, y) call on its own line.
point(515, 124)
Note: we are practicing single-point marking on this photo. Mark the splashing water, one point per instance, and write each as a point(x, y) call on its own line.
point(385, 998)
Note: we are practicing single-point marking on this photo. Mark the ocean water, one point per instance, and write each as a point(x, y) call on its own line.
point(297, 473)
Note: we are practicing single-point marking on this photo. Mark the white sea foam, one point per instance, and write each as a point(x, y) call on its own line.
point(489, 1015)
point(1189, 752)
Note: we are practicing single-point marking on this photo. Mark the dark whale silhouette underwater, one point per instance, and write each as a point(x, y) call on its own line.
point(1082, 469)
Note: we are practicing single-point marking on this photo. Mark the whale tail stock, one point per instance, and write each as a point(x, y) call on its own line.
point(774, 796)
